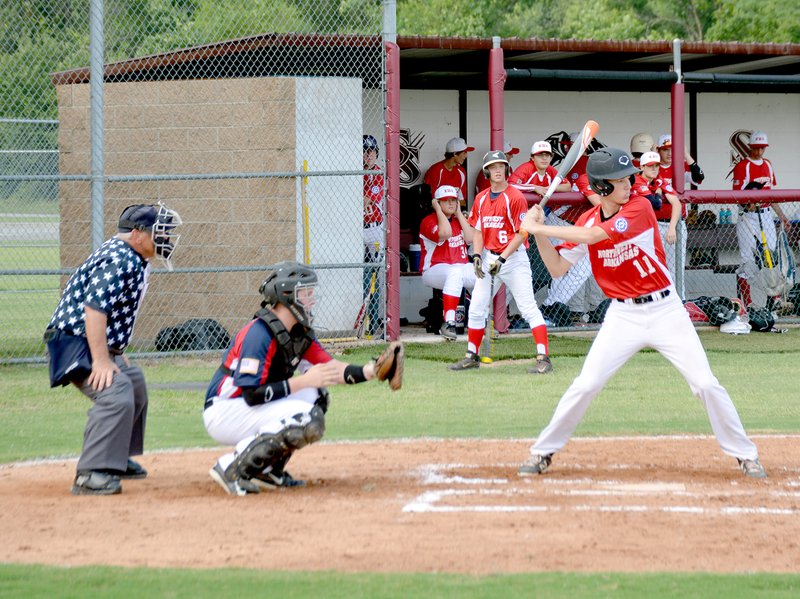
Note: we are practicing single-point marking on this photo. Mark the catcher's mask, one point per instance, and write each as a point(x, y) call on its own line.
point(159, 220)
point(294, 286)
point(608, 164)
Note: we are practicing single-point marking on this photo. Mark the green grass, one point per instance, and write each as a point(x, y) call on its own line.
point(29, 582)
point(646, 397)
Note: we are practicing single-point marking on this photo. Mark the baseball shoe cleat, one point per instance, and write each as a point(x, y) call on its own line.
point(93, 482)
point(535, 464)
point(134, 470)
point(752, 468)
point(273, 480)
point(543, 365)
point(238, 487)
point(472, 360)
point(448, 331)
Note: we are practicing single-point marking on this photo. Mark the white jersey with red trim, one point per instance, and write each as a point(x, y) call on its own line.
point(631, 262)
point(498, 218)
point(452, 250)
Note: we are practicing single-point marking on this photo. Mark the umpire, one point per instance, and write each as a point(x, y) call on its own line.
point(88, 333)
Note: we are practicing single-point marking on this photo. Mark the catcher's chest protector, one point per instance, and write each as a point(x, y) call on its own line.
point(293, 346)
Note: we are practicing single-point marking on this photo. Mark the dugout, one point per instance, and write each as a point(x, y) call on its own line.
point(434, 88)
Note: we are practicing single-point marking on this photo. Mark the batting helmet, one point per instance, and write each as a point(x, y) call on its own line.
point(159, 220)
point(607, 164)
point(281, 287)
point(491, 158)
point(370, 143)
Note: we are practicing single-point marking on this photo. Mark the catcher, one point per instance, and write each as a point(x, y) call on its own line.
point(255, 402)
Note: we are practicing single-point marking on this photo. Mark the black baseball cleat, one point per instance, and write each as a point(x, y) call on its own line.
point(275, 480)
point(448, 331)
point(231, 486)
point(134, 470)
point(535, 464)
point(472, 360)
point(752, 468)
point(543, 365)
point(93, 482)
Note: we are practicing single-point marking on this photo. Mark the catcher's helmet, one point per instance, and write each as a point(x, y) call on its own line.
point(491, 158)
point(370, 143)
point(281, 287)
point(159, 220)
point(607, 164)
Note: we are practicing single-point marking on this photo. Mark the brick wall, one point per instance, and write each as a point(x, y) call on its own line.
point(189, 127)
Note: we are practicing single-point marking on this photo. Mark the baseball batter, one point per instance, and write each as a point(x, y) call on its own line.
point(623, 243)
point(500, 252)
point(256, 404)
point(444, 236)
point(755, 172)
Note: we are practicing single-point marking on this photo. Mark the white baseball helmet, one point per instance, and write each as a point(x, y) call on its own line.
point(641, 143)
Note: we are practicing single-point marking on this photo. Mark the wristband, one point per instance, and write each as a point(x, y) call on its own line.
point(354, 374)
point(501, 260)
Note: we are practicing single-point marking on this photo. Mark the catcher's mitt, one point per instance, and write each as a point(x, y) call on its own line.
point(389, 365)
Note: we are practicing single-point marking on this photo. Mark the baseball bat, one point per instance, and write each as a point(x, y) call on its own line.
point(764, 245)
point(586, 136)
point(486, 346)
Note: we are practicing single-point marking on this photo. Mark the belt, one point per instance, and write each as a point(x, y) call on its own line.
point(372, 225)
point(646, 299)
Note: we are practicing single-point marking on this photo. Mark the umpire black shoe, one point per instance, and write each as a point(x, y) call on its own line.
point(472, 360)
point(92, 482)
point(134, 470)
point(535, 464)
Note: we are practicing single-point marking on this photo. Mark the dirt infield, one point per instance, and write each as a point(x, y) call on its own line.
point(629, 504)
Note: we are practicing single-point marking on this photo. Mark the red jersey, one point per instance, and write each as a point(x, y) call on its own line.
point(438, 175)
point(498, 219)
point(577, 170)
point(631, 262)
point(526, 174)
point(373, 189)
point(665, 174)
point(450, 251)
point(749, 171)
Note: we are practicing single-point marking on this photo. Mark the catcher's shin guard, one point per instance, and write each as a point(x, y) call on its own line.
point(265, 450)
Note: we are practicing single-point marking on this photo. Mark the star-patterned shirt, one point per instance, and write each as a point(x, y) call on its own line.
point(112, 280)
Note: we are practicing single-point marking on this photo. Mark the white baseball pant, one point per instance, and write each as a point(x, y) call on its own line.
point(748, 234)
point(233, 422)
point(450, 278)
point(628, 328)
point(516, 274)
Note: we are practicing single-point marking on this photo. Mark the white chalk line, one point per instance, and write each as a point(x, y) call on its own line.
point(434, 501)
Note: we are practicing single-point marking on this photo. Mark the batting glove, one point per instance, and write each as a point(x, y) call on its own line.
point(477, 264)
point(494, 267)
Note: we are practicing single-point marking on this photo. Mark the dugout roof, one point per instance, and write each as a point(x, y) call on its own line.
point(462, 63)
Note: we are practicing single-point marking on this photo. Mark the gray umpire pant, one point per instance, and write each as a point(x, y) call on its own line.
point(115, 428)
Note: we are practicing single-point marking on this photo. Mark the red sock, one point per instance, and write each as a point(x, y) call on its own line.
point(540, 338)
point(743, 288)
point(474, 338)
point(450, 303)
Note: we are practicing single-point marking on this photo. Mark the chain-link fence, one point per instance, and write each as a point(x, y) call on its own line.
point(247, 118)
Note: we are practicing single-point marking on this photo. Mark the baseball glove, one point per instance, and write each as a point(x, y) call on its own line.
point(389, 365)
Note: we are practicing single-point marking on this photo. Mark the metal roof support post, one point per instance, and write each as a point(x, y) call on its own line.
point(678, 100)
point(497, 83)
point(96, 52)
point(392, 172)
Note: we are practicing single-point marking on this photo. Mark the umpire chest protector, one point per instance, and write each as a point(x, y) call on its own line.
point(293, 345)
